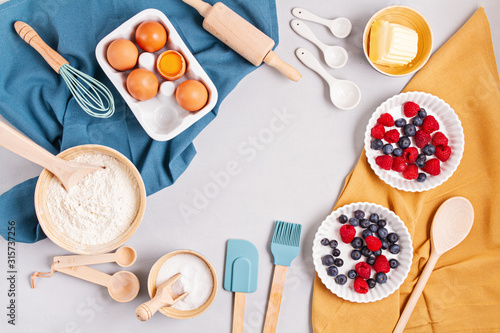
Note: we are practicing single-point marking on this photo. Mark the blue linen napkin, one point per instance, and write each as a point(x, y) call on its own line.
point(37, 102)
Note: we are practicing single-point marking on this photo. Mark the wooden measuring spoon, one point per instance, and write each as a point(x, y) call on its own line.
point(450, 226)
point(122, 286)
point(68, 172)
point(163, 297)
point(125, 256)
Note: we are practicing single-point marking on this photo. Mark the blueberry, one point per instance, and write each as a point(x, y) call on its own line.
point(429, 150)
point(364, 223)
point(422, 113)
point(377, 253)
point(325, 242)
point(341, 279)
point(366, 233)
point(381, 277)
point(377, 144)
point(393, 263)
point(394, 249)
point(417, 121)
point(357, 243)
point(387, 149)
point(352, 274)
point(356, 254)
point(382, 232)
point(338, 262)
point(354, 221)
point(327, 260)
point(404, 142)
point(332, 271)
point(374, 218)
point(409, 130)
point(342, 219)
point(373, 228)
point(359, 214)
point(333, 243)
point(370, 260)
point(371, 283)
point(397, 152)
point(365, 251)
point(392, 237)
point(336, 252)
point(420, 162)
point(401, 122)
point(381, 223)
point(421, 177)
point(385, 244)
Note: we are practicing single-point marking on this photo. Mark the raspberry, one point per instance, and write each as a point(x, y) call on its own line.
point(430, 124)
point(373, 243)
point(384, 161)
point(432, 166)
point(392, 136)
point(381, 264)
point(410, 155)
point(411, 172)
point(422, 138)
point(347, 233)
point(363, 269)
point(411, 109)
point(360, 286)
point(442, 153)
point(439, 139)
point(399, 164)
point(386, 120)
point(378, 131)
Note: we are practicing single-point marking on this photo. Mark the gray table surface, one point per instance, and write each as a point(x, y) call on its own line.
point(295, 173)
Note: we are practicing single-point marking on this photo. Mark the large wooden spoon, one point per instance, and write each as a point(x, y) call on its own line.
point(68, 172)
point(450, 226)
point(125, 256)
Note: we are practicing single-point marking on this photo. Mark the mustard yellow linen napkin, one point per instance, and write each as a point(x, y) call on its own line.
point(463, 292)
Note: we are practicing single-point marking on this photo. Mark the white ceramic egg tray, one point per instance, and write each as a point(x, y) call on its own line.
point(161, 117)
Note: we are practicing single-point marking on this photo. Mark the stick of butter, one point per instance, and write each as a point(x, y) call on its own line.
point(392, 44)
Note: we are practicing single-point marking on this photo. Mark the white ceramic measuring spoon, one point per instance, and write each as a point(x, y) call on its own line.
point(335, 56)
point(344, 94)
point(340, 27)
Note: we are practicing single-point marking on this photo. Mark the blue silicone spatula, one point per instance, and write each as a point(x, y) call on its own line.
point(240, 276)
point(285, 246)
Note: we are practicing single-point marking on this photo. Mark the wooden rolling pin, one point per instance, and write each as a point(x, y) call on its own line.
point(240, 35)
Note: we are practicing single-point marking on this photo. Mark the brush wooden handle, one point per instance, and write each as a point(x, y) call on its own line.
point(238, 312)
point(273, 307)
point(30, 36)
point(290, 72)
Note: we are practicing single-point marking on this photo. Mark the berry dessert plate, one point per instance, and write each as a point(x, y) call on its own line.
point(437, 161)
point(397, 251)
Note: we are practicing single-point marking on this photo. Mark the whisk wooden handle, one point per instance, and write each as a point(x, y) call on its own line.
point(30, 36)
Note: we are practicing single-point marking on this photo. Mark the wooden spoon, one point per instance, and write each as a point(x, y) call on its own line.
point(163, 297)
point(122, 286)
point(450, 226)
point(68, 172)
point(125, 256)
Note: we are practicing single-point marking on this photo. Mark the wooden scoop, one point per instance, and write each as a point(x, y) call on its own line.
point(122, 286)
point(125, 256)
point(163, 297)
point(450, 226)
point(68, 172)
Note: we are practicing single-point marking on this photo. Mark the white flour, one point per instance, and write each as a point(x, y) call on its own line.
point(100, 207)
point(196, 279)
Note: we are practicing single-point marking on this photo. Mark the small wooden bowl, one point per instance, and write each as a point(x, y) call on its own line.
point(171, 76)
point(410, 18)
point(59, 238)
point(172, 312)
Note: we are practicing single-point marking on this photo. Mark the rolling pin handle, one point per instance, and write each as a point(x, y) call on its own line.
point(273, 60)
point(202, 7)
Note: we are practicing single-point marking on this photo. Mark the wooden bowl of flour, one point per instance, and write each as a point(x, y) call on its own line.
point(55, 234)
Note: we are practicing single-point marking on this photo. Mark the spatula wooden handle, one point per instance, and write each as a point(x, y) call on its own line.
point(287, 70)
point(238, 312)
point(30, 36)
point(273, 307)
point(202, 7)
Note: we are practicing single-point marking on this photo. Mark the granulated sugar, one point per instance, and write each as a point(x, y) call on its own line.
point(100, 207)
point(196, 279)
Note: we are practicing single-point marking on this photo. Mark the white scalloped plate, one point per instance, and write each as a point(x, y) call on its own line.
point(329, 228)
point(449, 124)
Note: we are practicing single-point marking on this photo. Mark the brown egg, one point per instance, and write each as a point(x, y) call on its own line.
point(142, 84)
point(122, 54)
point(191, 95)
point(150, 36)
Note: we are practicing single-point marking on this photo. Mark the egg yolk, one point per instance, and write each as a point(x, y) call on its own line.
point(170, 64)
